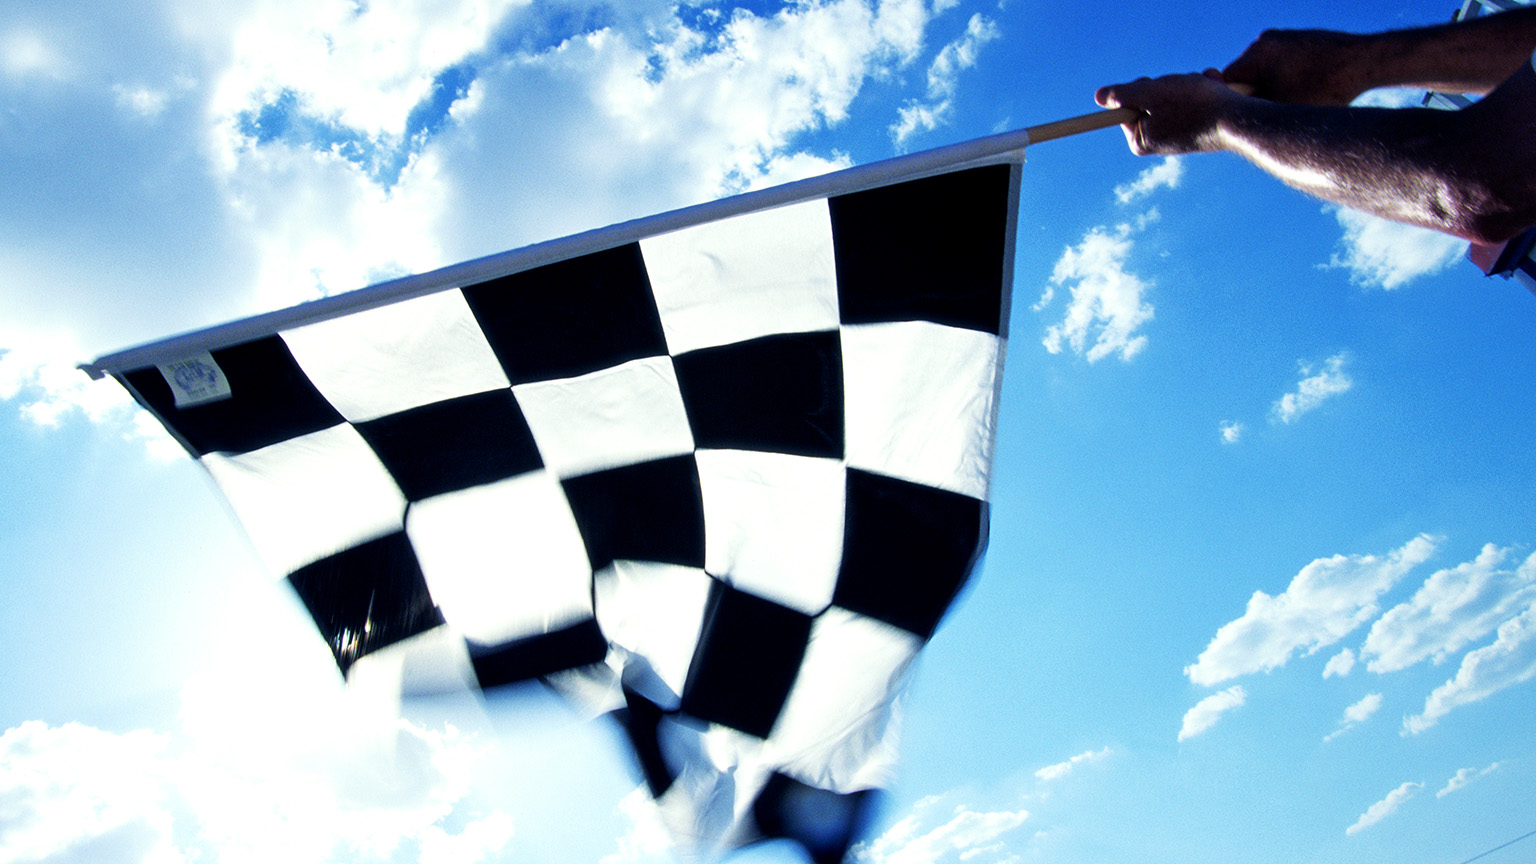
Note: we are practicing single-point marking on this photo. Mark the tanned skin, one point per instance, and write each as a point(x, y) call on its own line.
point(1470, 173)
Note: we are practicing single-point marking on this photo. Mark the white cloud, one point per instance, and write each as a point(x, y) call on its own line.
point(727, 111)
point(1324, 602)
point(1463, 777)
point(1362, 710)
point(1165, 174)
point(26, 54)
point(966, 834)
point(1356, 714)
point(1510, 660)
point(253, 781)
point(321, 226)
point(1209, 710)
point(1384, 808)
point(796, 166)
point(141, 100)
point(1106, 306)
point(364, 65)
point(48, 390)
point(1454, 608)
point(1315, 388)
point(1384, 254)
point(642, 115)
point(1231, 431)
point(272, 760)
point(282, 763)
point(74, 790)
point(478, 841)
point(944, 79)
point(1062, 769)
point(1340, 664)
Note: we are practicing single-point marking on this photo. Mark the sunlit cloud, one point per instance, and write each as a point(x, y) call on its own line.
point(1384, 808)
point(1379, 253)
point(313, 794)
point(1208, 711)
point(364, 66)
point(1062, 769)
point(1315, 387)
point(271, 759)
point(1509, 660)
point(373, 169)
point(1164, 175)
point(1107, 308)
point(1452, 609)
point(1231, 431)
point(73, 790)
point(1326, 600)
point(1384, 254)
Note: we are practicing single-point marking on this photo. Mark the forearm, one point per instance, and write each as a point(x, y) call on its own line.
point(1419, 166)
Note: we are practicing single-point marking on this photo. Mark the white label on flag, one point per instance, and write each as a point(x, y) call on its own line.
point(196, 380)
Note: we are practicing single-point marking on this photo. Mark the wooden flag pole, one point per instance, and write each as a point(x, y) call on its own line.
point(1078, 125)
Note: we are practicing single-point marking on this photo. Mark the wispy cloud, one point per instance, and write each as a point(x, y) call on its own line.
point(932, 835)
point(1315, 387)
point(1384, 808)
point(944, 80)
point(1383, 254)
point(1461, 778)
point(1327, 600)
point(1510, 660)
point(1107, 306)
point(1356, 714)
point(1231, 431)
point(1062, 769)
point(1165, 174)
point(1209, 710)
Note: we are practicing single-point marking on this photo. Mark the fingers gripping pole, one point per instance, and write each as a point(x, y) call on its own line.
point(1099, 120)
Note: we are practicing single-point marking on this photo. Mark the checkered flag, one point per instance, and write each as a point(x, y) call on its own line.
point(719, 479)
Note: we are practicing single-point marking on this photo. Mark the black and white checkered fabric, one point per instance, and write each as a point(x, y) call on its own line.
point(722, 483)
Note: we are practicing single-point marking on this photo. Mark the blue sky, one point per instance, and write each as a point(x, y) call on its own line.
point(1260, 585)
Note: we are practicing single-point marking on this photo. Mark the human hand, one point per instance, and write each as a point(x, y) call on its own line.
point(1178, 113)
point(1302, 67)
